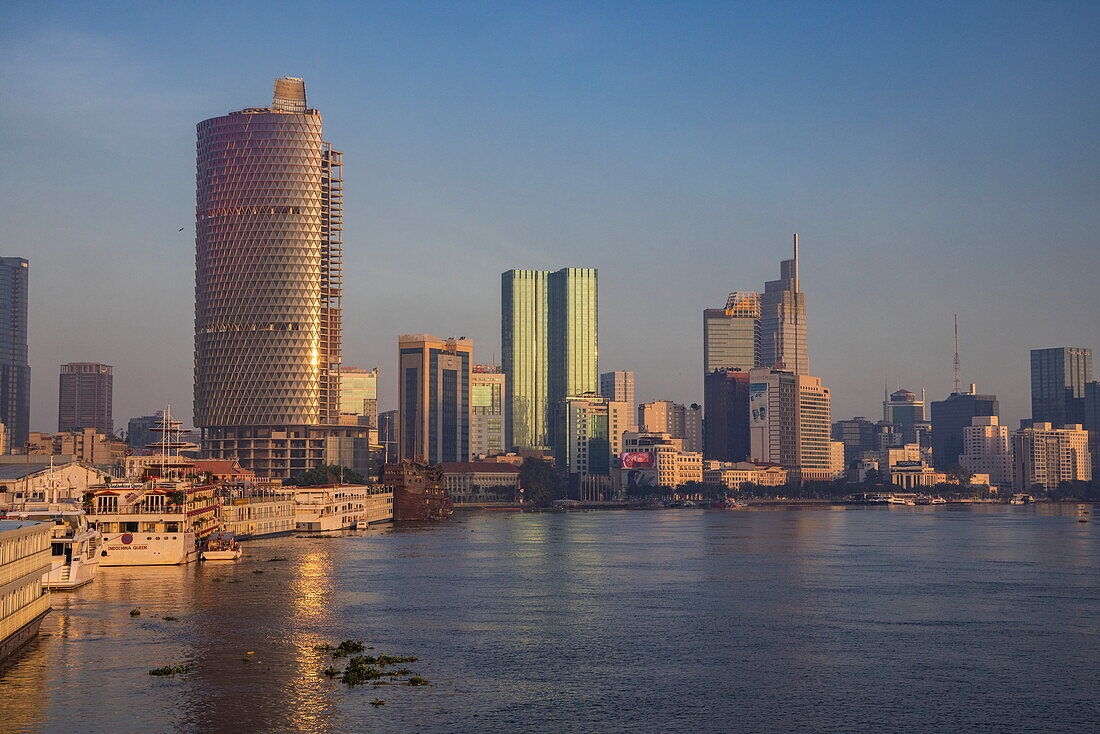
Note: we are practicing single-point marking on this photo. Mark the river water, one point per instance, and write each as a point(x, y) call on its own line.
point(849, 619)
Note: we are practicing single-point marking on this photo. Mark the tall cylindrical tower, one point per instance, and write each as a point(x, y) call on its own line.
point(267, 270)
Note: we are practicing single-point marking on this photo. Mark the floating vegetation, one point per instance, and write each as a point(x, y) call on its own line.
point(377, 702)
point(234, 581)
point(347, 647)
point(217, 578)
point(398, 673)
point(135, 612)
point(171, 619)
point(171, 670)
point(258, 570)
point(358, 671)
point(318, 536)
point(323, 648)
point(331, 672)
point(276, 559)
point(416, 680)
point(390, 659)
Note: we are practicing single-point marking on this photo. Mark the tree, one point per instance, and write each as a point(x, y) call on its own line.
point(325, 474)
point(959, 475)
point(539, 481)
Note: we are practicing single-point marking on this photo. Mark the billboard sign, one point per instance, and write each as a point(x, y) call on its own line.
point(758, 403)
point(638, 460)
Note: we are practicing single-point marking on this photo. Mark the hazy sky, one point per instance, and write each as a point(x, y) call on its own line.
point(934, 158)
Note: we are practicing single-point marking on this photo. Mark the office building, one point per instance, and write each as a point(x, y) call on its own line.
point(618, 386)
point(1058, 378)
point(987, 449)
point(590, 431)
point(15, 371)
point(549, 344)
point(1090, 416)
point(85, 397)
point(679, 421)
point(783, 320)
point(789, 423)
point(1046, 456)
point(858, 436)
point(359, 394)
point(268, 275)
point(950, 417)
point(732, 335)
point(903, 408)
point(651, 460)
point(387, 435)
point(487, 395)
point(139, 430)
point(433, 397)
point(726, 404)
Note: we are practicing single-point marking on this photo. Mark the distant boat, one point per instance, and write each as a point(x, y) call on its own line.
point(221, 547)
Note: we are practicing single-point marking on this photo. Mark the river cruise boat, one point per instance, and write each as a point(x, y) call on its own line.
point(221, 547)
point(153, 523)
point(24, 561)
point(74, 547)
point(1021, 499)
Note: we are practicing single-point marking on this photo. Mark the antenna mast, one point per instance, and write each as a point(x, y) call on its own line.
point(955, 369)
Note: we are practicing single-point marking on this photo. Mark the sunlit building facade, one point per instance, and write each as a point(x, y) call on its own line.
point(783, 320)
point(269, 218)
point(732, 335)
point(85, 397)
point(789, 424)
point(433, 396)
point(549, 341)
point(1058, 378)
point(359, 394)
point(487, 395)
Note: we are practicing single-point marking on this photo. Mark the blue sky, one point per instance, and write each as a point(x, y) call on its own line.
point(934, 158)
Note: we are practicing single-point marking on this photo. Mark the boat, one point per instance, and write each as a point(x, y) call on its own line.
point(1021, 499)
point(939, 501)
point(221, 547)
point(362, 525)
point(727, 504)
point(923, 500)
point(73, 547)
point(418, 492)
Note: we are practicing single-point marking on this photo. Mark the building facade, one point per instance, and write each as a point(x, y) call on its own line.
point(950, 417)
point(783, 320)
point(1046, 456)
point(987, 449)
point(268, 274)
point(618, 386)
point(549, 340)
point(359, 394)
point(789, 423)
point(15, 370)
point(433, 397)
point(726, 405)
point(903, 408)
point(487, 425)
point(1058, 378)
point(679, 421)
point(85, 397)
point(732, 335)
point(590, 432)
point(858, 436)
point(657, 460)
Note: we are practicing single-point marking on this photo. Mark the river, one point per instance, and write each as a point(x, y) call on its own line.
point(844, 619)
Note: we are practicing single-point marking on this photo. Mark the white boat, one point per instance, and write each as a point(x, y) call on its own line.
point(1021, 499)
point(939, 501)
point(221, 547)
point(362, 525)
point(73, 547)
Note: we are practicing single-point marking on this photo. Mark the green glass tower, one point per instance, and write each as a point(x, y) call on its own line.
point(549, 346)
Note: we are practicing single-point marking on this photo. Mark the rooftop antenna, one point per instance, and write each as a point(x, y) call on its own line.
point(955, 369)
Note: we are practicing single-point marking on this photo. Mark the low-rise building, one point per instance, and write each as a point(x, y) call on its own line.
point(734, 475)
point(481, 481)
point(84, 444)
point(24, 600)
point(658, 460)
point(23, 481)
point(912, 475)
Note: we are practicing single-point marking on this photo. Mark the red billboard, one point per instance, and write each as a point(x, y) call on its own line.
point(638, 460)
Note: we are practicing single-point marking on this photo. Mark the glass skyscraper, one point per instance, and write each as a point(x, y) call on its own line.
point(549, 341)
point(15, 371)
point(1058, 378)
point(731, 335)
point(783, 320)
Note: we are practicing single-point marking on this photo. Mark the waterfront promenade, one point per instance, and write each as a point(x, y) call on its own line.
point(931, 619)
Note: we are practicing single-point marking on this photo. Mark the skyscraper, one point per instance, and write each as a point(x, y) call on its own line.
point(618, 386)
point(732, 335)
point(487, 391)
point(949, 419)
point(15, 371)
point(783, 320)
point(433, 397)
point(726, 402)
point(678, 421)
point(789, 421)
point(549, 345)
point(84, 398)
point(1045, 456)
point(269, 221)
point(359, 394)
point(1058, 378)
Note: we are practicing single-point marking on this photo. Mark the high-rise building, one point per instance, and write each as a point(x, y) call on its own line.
point(1058, 378)
point(950, 417)
point(15, 371)
point(359, 394)
point(487, 391)
point(988, 450)
point(678, 421)
point(139, 430)
point(783, 320)
point(732, 335)
point(1047, 456)
point(433, 398)
point(1090, 417)
point(85, 397)
point(387, 435)
point(726, 402)
point(903, 408)
point(268, 274)
point(858, 436)
point(789, 422)
point(618, 386)
point(549, 344)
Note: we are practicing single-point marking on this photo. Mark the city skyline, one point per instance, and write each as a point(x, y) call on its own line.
point(915, 274)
